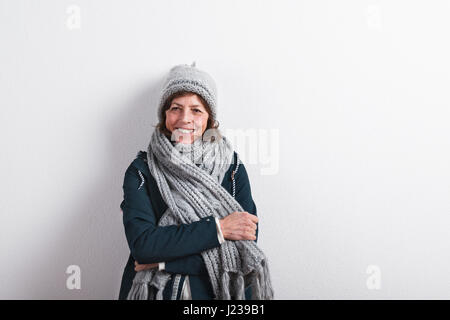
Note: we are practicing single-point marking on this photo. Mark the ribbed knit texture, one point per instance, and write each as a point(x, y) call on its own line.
point(189, 178)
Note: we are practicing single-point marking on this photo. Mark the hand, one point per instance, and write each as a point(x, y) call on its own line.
point(140, 267)
point(239, 225)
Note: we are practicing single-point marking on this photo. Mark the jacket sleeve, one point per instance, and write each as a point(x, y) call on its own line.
point(244, 193)
point(150, 243)
point(194, 264)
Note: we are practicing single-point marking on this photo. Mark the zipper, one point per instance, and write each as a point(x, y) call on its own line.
point(142, 178)
point(233, 174)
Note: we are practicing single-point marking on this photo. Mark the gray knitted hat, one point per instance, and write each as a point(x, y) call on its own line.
point(184, 77)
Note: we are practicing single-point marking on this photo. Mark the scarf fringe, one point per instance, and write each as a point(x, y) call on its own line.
point(226, 286)
point(138, 291)
point(234, 284)
point(146, 283)
point(261, 284)
point(232, 287)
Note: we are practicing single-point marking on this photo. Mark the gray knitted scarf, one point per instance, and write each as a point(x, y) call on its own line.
point(189, 178)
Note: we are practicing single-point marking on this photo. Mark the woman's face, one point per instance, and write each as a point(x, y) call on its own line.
point(188, 113)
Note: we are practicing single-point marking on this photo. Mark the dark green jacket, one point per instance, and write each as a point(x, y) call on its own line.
point(178, 246)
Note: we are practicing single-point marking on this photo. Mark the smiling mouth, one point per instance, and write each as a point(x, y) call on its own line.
point(185, 130)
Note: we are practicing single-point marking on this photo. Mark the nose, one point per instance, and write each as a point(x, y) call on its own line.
point(186, 116)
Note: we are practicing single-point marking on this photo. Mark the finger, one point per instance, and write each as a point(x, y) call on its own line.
point(249, 236)
point(253, 218)
point(250, 230)
point(251, 225)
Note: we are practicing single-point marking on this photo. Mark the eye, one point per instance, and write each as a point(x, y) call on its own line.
point(197, 110)
point(173, 108)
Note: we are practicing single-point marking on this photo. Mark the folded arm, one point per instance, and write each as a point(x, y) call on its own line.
point(194, 264)
point(150, 243)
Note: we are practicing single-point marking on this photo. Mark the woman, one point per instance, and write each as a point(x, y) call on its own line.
point(189, 217)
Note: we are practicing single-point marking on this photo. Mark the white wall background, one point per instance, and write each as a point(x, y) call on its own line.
point(358, 92)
